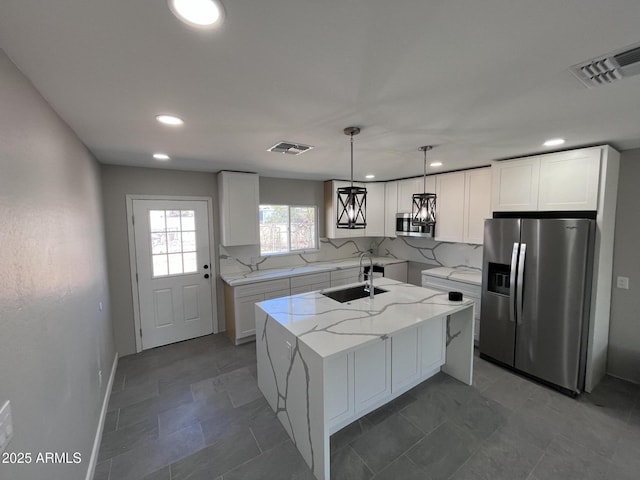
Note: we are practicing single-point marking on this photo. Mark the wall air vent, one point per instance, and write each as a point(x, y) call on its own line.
point(609, 68)
point(290, 148)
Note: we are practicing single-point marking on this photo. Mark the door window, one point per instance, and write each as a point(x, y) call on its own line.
point(173, 242)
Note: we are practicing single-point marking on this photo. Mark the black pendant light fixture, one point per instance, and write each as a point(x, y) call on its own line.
point(423, 209)
point(352, 201)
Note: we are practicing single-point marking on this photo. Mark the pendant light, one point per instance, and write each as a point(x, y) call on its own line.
point(352, 201)
point(423, 210)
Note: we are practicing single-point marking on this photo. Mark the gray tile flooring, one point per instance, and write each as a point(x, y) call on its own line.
point(193, 411)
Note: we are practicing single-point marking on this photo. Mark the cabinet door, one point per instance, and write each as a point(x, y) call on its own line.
point(277, 294)
point(477, 208)
point(405, 359)
point(390, 208)
point(449, 207)
point(375, 210)
point(409, 186)
point(345, 276)
point(569, 180)
point(372, 374)
point(397, 271)
point(239, 205)
point(432, 337)
point(338, 383)
point(246, 315)
point(515, 185)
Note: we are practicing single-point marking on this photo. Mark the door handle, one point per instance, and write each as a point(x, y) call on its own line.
point(206, 275)
point(512, 283)
point(519, 299)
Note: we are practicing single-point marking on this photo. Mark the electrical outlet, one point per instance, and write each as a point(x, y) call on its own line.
point(100, 306)
point(623, 282)
point(6, 426)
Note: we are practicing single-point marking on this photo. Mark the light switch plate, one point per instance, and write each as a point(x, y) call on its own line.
point(623, 282)
point(6, 426)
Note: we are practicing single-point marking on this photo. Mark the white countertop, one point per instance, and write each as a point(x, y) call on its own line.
point(466, 275)
point(236, 279)
point(329, 327)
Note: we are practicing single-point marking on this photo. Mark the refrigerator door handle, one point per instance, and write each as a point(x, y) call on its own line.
point(512, 282)
point(520, 286)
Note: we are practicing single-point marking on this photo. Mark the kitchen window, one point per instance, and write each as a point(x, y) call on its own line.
point(288, 229)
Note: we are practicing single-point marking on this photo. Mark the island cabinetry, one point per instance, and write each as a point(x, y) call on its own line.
point(239, 303)
point(309, 283)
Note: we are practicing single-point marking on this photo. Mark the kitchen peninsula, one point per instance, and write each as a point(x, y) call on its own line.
point(323, 364)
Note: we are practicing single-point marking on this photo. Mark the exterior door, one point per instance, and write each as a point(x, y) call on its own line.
point(173, 270)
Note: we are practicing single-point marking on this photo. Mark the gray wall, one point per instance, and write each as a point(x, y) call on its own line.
point(284, 191)
point(624, 329)
point(53, 338)
point(117, 182)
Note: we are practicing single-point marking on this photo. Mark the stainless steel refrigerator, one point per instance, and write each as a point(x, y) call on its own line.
point(536, 289)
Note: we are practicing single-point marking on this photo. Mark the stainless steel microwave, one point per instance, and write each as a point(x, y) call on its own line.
point(405, 228)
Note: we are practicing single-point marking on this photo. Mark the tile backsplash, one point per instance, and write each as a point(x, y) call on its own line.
point(246, 259)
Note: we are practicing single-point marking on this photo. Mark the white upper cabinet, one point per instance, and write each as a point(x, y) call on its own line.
point(569, 180)
point(555, 181)
point(239, 204)
point(449, 207)
point(409, 186)
point(375, 210)
point(390, 208)
point(477, 204)
point(515, 185)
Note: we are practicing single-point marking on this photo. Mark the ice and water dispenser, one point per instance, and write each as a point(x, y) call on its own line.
point(499, 278)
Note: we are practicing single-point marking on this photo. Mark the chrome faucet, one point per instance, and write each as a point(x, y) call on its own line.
point(361, 273)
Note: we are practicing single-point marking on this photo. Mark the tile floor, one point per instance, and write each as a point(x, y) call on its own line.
point(193, 411)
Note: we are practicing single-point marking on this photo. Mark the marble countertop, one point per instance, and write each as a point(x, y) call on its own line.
point(466, 275)
point(329, 327)
point(236, 279)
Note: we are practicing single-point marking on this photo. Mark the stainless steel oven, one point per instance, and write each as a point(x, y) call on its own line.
point(405, 228)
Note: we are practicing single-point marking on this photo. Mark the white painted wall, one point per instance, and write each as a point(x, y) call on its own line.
point(53, 338)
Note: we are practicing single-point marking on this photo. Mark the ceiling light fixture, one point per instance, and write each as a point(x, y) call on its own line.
point(554, 142)
point(423, 206)
point(161, 156)
point(170, 120)
point(370, 176)
point(352, 201)
point(435, 164)
point(198, 13)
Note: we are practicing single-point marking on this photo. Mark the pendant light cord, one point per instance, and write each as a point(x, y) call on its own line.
point(352, 159)
point(424, 178)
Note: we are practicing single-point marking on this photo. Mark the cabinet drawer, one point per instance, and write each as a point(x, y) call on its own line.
point(315, 278)
point(345, 273)
point(261, 287)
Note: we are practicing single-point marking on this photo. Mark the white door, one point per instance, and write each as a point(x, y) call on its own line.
point(173, 270)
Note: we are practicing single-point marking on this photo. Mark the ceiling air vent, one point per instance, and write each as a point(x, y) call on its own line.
point(609, 68)
point(289, 148)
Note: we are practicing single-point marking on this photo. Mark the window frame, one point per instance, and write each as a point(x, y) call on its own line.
point(289, 251)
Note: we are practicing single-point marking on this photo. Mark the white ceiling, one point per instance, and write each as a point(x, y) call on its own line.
point(481, 80)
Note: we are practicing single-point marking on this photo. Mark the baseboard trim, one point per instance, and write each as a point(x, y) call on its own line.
point(91, 470)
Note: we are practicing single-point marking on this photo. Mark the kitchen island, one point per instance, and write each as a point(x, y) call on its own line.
point(323, 364)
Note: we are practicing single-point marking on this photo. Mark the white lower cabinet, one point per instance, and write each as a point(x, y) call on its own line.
point(372, 376)
point(344, 277)
point(245, 324)
point(357, 382)
point(310, 283)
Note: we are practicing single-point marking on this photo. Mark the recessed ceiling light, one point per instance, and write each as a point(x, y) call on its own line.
point(170, 120)
point(161, 156)
point(435, 164)
point(197, 13)
point(370, 176)
point(554, 142)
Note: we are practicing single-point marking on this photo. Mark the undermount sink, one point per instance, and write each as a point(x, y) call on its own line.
point(352, 293)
